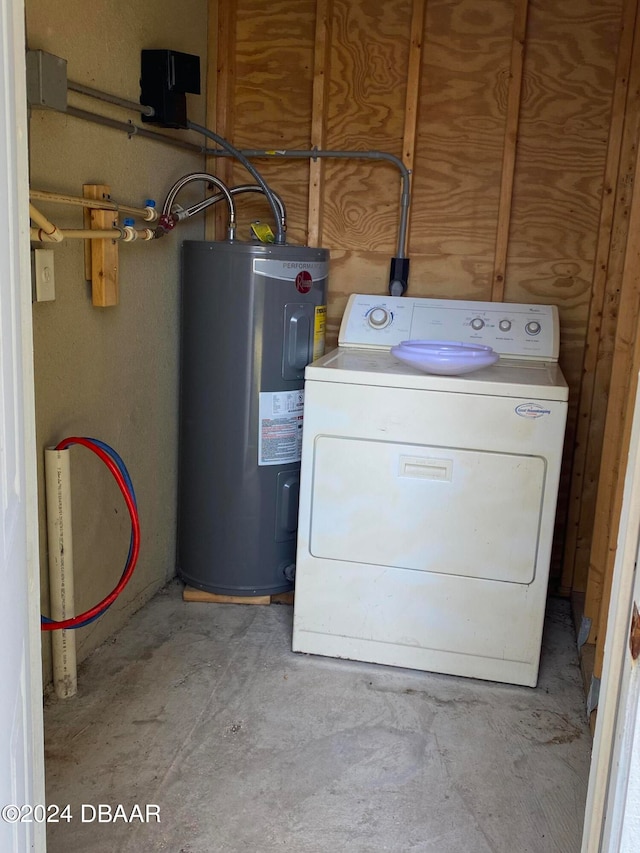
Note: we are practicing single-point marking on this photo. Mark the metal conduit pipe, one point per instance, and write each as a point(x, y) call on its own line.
point(235, 152)
point(110, 99)
point(243, 188)
point(134, 130)
point(312, 154)
point(165, 219)
point(315, 153)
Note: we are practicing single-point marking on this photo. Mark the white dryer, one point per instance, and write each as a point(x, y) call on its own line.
point(427, 501)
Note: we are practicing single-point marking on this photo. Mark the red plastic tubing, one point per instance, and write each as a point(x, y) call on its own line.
point(135, 529)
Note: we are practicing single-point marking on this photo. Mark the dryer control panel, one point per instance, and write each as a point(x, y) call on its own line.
point(518, 330)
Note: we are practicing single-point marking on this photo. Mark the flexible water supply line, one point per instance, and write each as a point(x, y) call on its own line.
point(235, 152)
point(60, 538)
point(243, 188)
point(167, 221)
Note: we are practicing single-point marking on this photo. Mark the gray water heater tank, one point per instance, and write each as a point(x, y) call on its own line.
point(253, 316)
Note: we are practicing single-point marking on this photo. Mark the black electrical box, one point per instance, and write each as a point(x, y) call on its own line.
point(166, 76)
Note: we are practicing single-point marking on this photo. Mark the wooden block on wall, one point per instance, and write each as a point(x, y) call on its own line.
point(101, 259)
point(104, 262)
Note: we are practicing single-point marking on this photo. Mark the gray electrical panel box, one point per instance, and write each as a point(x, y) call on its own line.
point(253, 317)
point(46, 80)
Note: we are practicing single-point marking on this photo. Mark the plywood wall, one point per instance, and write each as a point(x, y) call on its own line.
point(513, 116)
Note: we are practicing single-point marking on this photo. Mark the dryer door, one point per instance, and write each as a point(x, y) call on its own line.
point(433, 509)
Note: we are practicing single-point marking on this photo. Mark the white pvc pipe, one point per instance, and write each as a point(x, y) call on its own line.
point(57, 478)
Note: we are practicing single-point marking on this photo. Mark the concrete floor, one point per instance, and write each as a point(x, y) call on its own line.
point(203, 711)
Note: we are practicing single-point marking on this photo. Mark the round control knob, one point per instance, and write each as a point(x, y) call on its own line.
point(533, 328)
point(504, 325)
point(477, 323)
point(379, 318)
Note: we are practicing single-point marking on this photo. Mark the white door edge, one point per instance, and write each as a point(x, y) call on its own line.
point(607, 809)
point(19, 480)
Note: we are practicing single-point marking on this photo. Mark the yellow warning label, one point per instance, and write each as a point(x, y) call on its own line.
point(319, 327)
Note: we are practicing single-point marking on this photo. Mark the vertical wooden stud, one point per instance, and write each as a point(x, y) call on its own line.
point(98, 192)
point(321, 76)
point(612, 233)
point(626, 363)
point(211, 97)
point(509, 149)
point(616, 511)
point(414, 69)
point(629, 366)
point(221, 50)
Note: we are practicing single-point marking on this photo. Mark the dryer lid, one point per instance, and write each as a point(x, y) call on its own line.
point(526, 379)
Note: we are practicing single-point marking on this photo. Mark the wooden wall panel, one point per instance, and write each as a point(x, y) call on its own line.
point(602, 329)
point(273, 95)
point(220, 101)
point(510, 177)
point(367, 272)
point(622, 389)
point(458, 162)
point(321, 80)
point(568, 82)
point(369, 61)
point(414, 71)
point(509, 149)
point(567, 284)
point(368, 74)
point(274, 52)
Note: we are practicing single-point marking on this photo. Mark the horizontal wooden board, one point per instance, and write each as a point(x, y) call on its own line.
point(202, 596)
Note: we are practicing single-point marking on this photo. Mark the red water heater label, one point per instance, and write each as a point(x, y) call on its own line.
point(304, 281)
